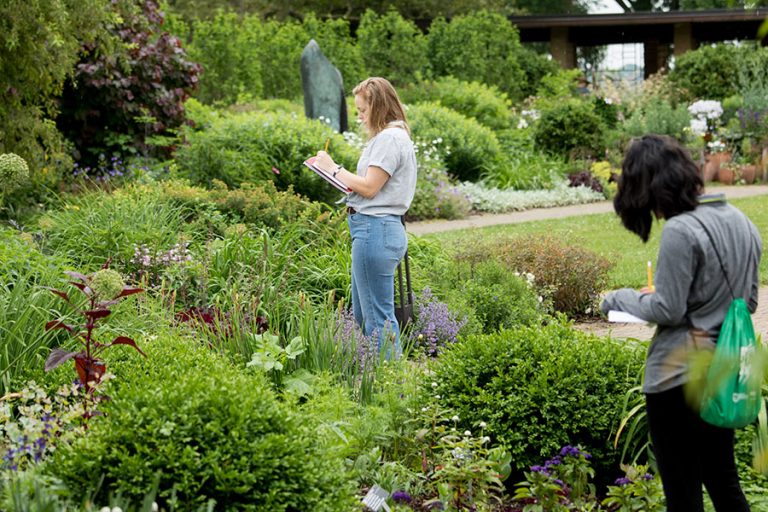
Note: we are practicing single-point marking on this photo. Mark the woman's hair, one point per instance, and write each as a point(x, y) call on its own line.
point(384, 104)
point(658, 178)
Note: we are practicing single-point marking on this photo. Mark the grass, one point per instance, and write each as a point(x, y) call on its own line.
point(604, 234)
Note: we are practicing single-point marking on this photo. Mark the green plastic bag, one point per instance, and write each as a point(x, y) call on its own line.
point(732, 395)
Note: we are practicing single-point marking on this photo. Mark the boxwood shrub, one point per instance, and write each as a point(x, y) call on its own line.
point(485, 104)
point(540, 388)
point(209, 431)
point(472, 147)
point(256, 147)
point(569, 125)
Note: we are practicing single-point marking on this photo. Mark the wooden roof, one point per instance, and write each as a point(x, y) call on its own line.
point(600, 29)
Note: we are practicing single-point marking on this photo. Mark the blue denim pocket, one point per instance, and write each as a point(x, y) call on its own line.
point(395, 238)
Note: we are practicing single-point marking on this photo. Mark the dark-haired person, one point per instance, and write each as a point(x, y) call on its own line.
point(691, 298)
point(382, 191)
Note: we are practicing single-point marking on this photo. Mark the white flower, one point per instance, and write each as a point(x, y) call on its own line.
point(437, 397)
point(434, 385)
point(699, 126)
point(522, 123)
point(423, 409)
point(482, 424)
point(485, 439)
point(467, 433)
point(155, 508)
point(117, 509)
point(455, 418)
point(105, 509)
point(706, 109)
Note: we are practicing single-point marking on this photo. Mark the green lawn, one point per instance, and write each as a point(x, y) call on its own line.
point(603, 234)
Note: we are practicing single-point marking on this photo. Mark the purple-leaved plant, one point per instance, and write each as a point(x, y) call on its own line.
point(435, 325)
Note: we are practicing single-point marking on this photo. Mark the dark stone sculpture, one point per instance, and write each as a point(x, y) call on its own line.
point(323, 88)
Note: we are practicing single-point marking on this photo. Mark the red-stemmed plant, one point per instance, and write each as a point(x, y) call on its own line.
point(99, 297)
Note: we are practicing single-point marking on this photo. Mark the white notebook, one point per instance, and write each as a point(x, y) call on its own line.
point(622, 317)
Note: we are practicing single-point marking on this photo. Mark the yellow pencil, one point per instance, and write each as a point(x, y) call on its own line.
point(326, 144)
point(650, 275)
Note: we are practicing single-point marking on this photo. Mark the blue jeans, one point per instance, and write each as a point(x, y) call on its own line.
point(378, 245)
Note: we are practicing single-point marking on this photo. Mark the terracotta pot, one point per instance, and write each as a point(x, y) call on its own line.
point(726, 175)
point(748, 173)
point(711, 167)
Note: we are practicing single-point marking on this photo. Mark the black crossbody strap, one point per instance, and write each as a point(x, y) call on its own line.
point(717, 253)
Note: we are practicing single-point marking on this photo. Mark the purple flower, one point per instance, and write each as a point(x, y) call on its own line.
point(435, 325)
point(622, 481)
point(401, 497)
point(349, 335)
point(540, 469)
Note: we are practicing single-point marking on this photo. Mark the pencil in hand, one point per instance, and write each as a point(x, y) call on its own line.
point(649, 273)
point(327, 141)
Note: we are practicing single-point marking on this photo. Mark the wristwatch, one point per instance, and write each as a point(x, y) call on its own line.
point(338, 168)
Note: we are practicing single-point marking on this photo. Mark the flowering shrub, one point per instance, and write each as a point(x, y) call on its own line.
point(151, 264)
point(562, 484)
point(33, 422)
point(462, 468)
point(352, 340)
point(437, 197)
point(435, 325)
point(13, 172)
point(705, 117)
point(638, 490)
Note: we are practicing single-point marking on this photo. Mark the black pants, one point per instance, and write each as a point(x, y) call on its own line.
point(690, 452)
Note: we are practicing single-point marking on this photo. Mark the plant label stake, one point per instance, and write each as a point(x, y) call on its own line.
point(376, 499)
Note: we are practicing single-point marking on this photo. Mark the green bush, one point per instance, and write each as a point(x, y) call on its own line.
point(280, 55)
point(257, 147)
point(535, 66)
point(527, 169)
point(228, 50)
point(570, 276)
point(567, 126)
point(392, 47)
point(658, 116)
point(573, 276)
point(501, 299)
point(709, 72)
point(215, 434)
point(483, 47)
point(486, 104)
point(472, 147)
point(538, 389)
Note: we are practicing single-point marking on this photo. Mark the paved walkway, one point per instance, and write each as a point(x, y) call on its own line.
point(623, 331)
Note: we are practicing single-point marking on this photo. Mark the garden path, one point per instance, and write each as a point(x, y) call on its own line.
point(619, 331)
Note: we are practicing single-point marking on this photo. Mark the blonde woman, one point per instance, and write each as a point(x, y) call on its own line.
point(382, 190)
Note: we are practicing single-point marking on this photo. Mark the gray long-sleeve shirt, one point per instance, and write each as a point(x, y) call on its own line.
point(691, 290)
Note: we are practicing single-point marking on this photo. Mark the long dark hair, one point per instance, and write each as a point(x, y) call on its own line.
point(658, 177)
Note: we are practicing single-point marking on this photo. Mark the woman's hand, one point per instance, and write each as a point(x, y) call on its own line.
point(648, 289)
point(324, 162)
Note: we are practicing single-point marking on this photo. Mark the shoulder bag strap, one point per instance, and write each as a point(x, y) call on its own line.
point(717, 253)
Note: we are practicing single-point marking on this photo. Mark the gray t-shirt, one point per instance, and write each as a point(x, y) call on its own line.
point(392, 150)
point(691, 291)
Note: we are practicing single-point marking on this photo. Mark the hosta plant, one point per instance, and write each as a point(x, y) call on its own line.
point(102, 289)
